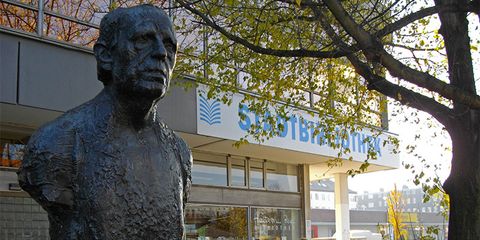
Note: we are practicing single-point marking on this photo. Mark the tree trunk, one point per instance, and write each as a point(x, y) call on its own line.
point(463, 184)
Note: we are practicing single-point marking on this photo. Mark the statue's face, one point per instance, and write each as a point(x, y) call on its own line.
point(144, 57)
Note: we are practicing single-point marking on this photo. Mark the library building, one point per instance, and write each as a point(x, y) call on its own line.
point(255, 191)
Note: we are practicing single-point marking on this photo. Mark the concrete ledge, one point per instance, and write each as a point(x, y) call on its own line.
point(236, 196)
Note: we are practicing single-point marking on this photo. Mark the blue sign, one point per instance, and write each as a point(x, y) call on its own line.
point(210, 111)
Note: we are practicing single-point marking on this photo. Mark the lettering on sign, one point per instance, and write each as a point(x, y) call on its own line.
point(299, 129)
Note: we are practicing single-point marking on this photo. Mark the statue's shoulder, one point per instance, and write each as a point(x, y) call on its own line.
point(62, 127)
point(184, 150)
point(186, 161)
point(48, 166)
point(179, 144)
point(77, 120)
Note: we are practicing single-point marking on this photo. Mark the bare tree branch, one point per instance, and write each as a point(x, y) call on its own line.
point(375, 52)
point(262, 50)
point(390, 28)
point(380, 84)
point(405, 96)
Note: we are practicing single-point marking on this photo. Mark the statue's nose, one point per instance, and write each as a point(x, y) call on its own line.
point(159, 50)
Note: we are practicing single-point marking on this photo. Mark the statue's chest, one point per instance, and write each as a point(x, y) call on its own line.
point(136, 170)
point(131, 186)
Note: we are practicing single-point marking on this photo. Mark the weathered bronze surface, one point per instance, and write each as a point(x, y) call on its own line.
point(110, 168)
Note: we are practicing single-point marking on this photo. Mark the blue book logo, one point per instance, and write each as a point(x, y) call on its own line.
point(210, 111)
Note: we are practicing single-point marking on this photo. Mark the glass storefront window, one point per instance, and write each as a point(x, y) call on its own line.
point(273, 224)
point(256, 174)
point(235, 171)
point(238, 172)
point(215, 222)
point(282, 177)
point(212, 172)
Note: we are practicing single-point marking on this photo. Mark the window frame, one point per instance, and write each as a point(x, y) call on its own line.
point(205, 156)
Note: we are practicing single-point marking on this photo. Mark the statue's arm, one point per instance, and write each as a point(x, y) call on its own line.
point(46, 171)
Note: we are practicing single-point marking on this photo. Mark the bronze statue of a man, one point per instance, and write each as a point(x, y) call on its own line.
point(110, 168)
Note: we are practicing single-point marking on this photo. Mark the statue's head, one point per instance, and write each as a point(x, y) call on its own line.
point(136, 51)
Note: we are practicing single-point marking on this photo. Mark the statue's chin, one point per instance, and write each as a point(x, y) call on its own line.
point(143, 90)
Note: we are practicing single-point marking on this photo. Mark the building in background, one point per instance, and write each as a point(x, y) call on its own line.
point(412, 201)
point(368, 211)
point(257, 191)
point(322, 195)
point(323, 223)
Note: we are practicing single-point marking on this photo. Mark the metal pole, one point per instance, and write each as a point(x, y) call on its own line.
point(170, 5)
point(40, 18)
point(205, 51)
point(249, 222)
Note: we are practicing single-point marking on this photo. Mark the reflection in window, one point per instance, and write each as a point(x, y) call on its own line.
point(213, 170)
point(209, 172)
point(215, 222)
point(256, 174)
point(271, 223)
point(282, 177)
point(238, 172)
point(11, 154)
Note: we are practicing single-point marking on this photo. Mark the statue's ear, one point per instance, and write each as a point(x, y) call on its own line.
point(103, 55)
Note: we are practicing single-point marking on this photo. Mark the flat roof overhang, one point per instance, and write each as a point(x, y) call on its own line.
point(319, 168)
point(20, 121)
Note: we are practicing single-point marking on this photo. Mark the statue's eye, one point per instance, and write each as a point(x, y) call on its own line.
point(170, 47)
point(142, 41)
